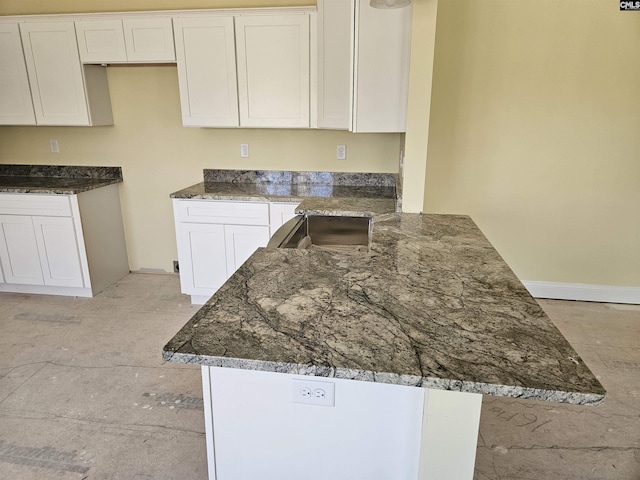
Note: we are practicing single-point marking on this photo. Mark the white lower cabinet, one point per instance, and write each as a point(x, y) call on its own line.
point(281, 213)
point(241, 241)
point(216, 237)
point(48, 246)
point(19, 250)
point(202, 258)
point(58, 247)
point(40, 251)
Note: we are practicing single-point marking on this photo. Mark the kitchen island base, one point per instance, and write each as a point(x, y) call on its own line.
point(374, 431)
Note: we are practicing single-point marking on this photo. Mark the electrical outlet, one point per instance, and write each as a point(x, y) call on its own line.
point(341, 152)
point(53, 145)
point(244, 150)
point(314, 393)
point(176, 266)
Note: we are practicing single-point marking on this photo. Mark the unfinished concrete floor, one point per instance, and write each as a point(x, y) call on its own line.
point(84, 394)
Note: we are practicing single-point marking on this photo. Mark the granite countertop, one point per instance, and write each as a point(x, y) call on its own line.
point(56, 179)
point(319, 193)
point(432, 304)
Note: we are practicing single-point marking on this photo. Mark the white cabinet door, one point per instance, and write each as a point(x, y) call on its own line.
point(101, 41)
point(16, 106)
point(335, 25)
point(58, 247)
point(149, 39)
point(63, 92)
point(273, 70)
point(381, 68)
point(19, 251)
point(241, 242)
point(206, 58)
point(55, 73)
point(202, 257)
point(125, 40)
point(281, 213)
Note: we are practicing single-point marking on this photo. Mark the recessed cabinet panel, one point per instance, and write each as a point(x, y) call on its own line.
point(101, 41)
point(16, 106)
point(149, 39)
point(19, 251)
point(59, 257)
point(273, 70)
point(206, 58)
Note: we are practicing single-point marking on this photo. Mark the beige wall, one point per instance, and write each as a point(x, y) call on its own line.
point(159, 156)
point(535, 133)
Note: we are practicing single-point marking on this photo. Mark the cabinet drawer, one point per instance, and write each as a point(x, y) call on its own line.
point(30, 204)
point(228, 213)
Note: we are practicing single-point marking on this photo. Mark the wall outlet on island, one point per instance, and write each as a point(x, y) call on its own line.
point(314, 393)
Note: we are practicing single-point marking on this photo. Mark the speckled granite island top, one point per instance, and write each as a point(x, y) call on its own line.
point(56, 179)
point(431, 305)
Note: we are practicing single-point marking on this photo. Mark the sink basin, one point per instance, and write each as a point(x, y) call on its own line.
point(324, 232)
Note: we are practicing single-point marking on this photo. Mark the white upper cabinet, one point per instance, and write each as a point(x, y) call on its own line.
point(206, 58)
point(126, 40)
point(381, 68)
point(273, 70)
point(149, 39)
point(101, 41)
point(63, 92)
point(335, 20)
point(16, 106)
point(363, 66)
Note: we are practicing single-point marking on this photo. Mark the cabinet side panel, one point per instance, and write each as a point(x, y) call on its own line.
point(98, 95)
point(104, 239)
point(372, 432)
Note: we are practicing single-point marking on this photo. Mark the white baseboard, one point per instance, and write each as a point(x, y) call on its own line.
point(584, 292)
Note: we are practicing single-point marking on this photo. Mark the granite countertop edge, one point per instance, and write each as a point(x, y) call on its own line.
point(52, 190)
point(56, 179)
point(463, 386)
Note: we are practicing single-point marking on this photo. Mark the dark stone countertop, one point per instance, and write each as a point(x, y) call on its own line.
point(56, 179)
point(432, 304)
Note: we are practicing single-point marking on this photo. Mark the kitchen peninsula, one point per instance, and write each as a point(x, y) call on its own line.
point(430, 305)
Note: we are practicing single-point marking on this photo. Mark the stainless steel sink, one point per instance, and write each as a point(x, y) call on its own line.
point(347, 234)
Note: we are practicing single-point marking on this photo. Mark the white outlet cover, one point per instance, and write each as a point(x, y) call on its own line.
point(321, 393)
point(244, 150)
